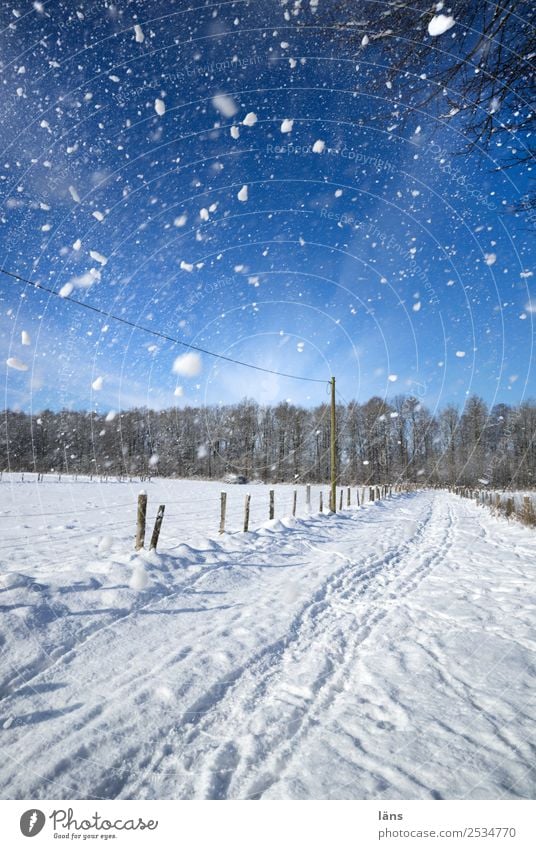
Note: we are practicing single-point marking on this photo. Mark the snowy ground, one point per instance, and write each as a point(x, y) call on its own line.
point(383, 653)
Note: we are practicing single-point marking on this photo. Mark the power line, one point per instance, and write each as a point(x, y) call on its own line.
point(157, 333)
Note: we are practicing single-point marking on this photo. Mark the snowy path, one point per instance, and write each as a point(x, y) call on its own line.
point(382, 653)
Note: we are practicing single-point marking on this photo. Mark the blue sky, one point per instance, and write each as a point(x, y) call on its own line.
point(361, 247)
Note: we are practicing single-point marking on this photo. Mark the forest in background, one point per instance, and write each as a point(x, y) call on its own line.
point(377, 442)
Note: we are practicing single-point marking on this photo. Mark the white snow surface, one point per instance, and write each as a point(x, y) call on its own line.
point(384, 652)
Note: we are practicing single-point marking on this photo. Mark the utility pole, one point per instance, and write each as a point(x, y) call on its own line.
point(333, 440)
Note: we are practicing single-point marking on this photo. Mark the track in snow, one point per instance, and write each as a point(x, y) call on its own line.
point(341, 658)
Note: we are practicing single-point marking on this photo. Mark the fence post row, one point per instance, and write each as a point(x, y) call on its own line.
point(223, 507)
point(246, 512)
point(157, 525)
point(499, 502)
point(141, 519)
point(528, 510)
point(496, 501)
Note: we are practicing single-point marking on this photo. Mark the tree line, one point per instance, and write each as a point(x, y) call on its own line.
point(377, 442)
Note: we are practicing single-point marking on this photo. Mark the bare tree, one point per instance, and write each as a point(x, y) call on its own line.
point(478, 76)
point(378, 442)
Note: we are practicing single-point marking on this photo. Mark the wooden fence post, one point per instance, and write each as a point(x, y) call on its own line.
point(340, 500)
point(321, 507)
point(140, 521)
point(528, 510)
point(272, 504)
point(371, 493)
point(308, 497)
point(246, 512)
point(348, 497)
point(294, 502)
point(223, 508)
point(357, 492)
point(157, 526)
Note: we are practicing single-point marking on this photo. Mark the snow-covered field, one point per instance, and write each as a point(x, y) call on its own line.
point(386, 652)
point(50, 515)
